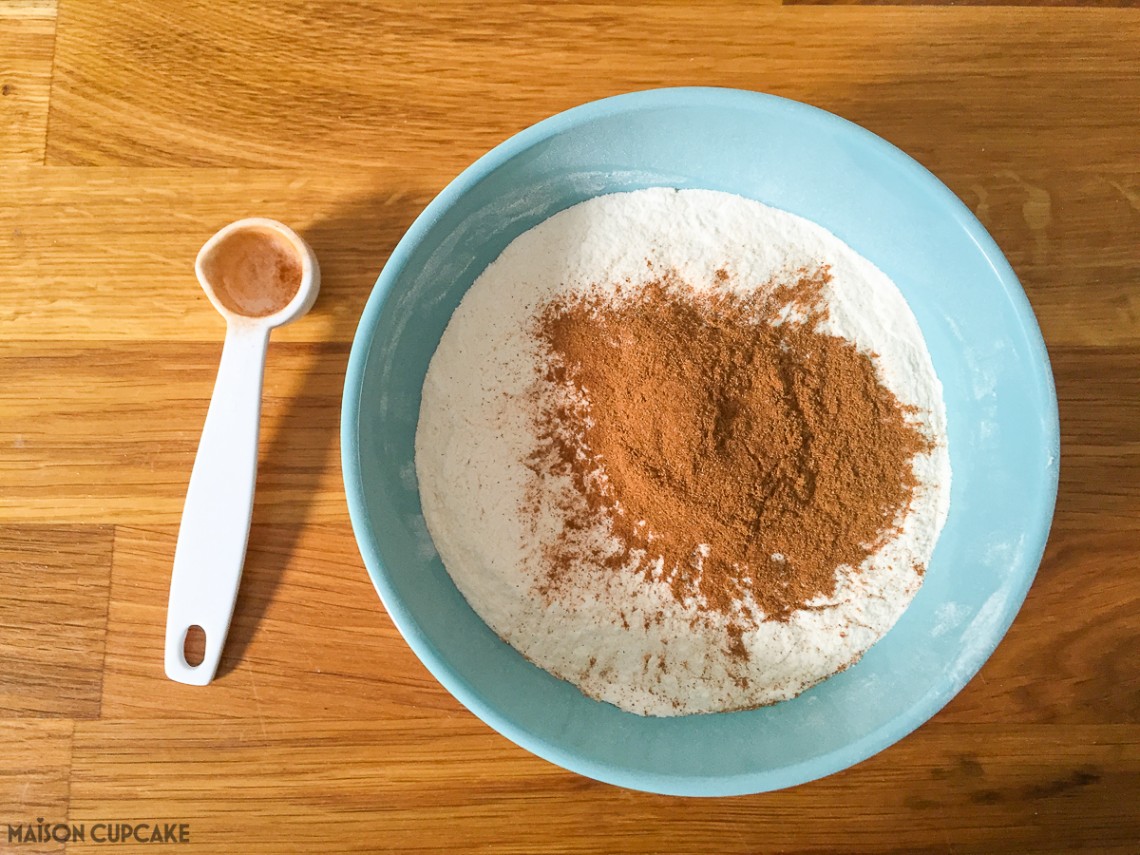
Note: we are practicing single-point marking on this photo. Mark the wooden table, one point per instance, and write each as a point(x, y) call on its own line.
point(130, 131)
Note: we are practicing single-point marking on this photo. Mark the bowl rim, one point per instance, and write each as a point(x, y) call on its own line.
point(840, 758)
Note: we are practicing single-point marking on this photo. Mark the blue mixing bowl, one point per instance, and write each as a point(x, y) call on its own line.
point(983, 338)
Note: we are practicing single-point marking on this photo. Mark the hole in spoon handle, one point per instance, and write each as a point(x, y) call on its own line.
point(194, 646)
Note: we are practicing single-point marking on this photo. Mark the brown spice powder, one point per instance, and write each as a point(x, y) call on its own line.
point(727, 436)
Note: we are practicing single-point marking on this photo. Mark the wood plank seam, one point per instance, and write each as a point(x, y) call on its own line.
point(51, 87)
point(106, 622)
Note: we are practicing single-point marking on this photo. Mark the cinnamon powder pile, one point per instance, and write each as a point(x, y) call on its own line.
point(732, 447)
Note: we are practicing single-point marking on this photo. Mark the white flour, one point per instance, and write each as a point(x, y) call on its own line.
point(475, 432)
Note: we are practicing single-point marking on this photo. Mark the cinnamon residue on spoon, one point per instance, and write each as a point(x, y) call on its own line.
point(254, 272)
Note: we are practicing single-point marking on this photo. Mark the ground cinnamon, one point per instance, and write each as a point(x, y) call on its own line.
point(734, 448)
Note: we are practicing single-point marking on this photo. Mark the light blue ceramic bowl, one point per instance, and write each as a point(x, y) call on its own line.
point(982, 336)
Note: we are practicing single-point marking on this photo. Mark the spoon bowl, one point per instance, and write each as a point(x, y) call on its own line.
point(276, 240)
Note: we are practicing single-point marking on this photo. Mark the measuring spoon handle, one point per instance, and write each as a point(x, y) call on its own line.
point(212, 538)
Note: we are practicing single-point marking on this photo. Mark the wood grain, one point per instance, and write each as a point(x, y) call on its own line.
point(390, 784)
point(1066, 232)
point(75, 279)
point(300, 87)
point(27, 45)
point(1098, 392)
point(1071, 656)
point(1098, 4)
point(309, 637)
point(82, 443)
point(130, 132)
point(53, 614)
point(1069, 235)
point(34, 777)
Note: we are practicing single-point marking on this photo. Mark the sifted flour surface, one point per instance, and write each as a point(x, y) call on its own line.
point(624, 637)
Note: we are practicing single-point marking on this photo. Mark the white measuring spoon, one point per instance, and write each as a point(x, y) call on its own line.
point(259, 274)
